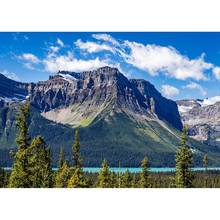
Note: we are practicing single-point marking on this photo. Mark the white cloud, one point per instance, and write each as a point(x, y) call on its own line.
point(170, 91)
point(92, 47)
point(60, 42)
point(216, 72)
point(107, 38)
point(54, 49)
point(158, 59)
point(29, 57)
point(69, 63)
point(193, 85)
point(9, 75)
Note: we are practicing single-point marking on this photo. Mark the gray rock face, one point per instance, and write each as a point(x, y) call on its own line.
point(11, 89)
point(165, 109)
point(203, 120)
point(103, 86)
point(92, 89)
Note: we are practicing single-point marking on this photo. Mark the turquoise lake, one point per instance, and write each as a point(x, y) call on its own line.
point(137, 170)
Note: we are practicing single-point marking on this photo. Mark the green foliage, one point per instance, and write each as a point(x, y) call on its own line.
point(126, 180)
point(61, 158)
point(40, 172)
point(206, 161)
point(144, 175)
point(184, 161)
point(113, 180)
point(3, 178)
point(76, 151)
point(62, 176)
point(20, 173)
point(78, 179)
point(104, 178)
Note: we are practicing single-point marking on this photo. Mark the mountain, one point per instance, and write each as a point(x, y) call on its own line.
point(203, 119)
point(118, 119)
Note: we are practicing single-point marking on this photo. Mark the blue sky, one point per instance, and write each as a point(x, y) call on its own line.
point(180, 65)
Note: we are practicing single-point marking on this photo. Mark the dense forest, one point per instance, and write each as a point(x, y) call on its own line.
point(32, 167)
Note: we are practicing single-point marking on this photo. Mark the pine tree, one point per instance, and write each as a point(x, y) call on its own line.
point(76, 151)
point(134, 182)
point(126, 180)
point(184, 161)
point(113, 180)
point(104, 180)
point(206, 162)
point(62, 176)
point(78, 179)
point(61, 158)
point(144, 175)
point(39, 163)
point(3, 178)
point(19, 177)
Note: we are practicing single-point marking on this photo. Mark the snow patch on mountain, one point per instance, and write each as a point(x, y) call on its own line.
point(68, 77)
point(184, 109)
point(209, 101)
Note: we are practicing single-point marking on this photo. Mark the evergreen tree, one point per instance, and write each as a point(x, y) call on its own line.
point(3, 178)
point(104, 180)
point(144, 175)
point(19, 177)
point(134, 182)
point(76, 151)
point(62, 176)
point(78, 179)
point(61, 158)
point(206, 162)
point(184, 160)
point(113, 180)
point(39, 163)
point(126, 180)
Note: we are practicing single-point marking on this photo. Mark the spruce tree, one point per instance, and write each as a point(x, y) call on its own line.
point(39, 166)
point(184, 161)
point(104, 178)
point(62, 176)
point(206, 162)
point(3, 178)
point(19, 177)
point(126, 180)
point(61, 158)
point(113, 180)
point(76, 151)
point(144, 175)
point(78, 178)
point(134, 182)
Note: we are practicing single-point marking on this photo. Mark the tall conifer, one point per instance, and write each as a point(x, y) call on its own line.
point(184, 161)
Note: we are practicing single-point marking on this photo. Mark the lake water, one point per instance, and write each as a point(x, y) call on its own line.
point(137, 170)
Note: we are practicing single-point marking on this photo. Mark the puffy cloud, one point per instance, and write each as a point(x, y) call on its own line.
point(54, 49)
point(92, 47)
point(216, 72)
point(69, 63)
point(29, 57)
point(170, 91)
point(193, 85)
point(9, 75)
point(106, 37)
point(158, 59)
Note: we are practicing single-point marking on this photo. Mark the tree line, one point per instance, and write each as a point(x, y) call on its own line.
point(32, 166)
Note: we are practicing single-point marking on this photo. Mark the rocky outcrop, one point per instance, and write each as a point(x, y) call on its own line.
point(202, 118)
